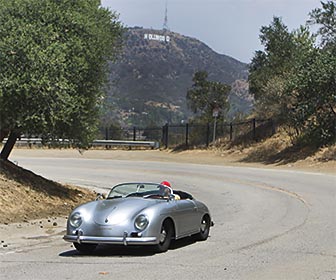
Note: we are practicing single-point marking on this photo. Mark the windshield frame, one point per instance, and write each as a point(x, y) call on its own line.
point(139, 190)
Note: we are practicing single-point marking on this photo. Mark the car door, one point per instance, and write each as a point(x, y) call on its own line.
point(186, 217)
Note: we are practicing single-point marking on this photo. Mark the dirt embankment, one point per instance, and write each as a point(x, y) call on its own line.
point(25, 195)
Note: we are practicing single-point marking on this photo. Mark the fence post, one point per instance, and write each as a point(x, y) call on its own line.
point(207, 134)
point(106, 136)
point(134, 133)
point(165, 135)
point(214, 131)
point(254, 128)
point(231, 131)
point(187, 135)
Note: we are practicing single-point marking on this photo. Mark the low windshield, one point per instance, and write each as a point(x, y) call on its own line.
point(139, 189)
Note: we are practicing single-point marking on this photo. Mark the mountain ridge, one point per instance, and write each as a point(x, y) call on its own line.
point(156, 67)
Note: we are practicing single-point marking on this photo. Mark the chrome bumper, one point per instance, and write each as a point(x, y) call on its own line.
point(111, 240)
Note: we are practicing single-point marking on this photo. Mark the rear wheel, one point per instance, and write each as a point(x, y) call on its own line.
point(205, 228)
point(85, 248)
point(166, 235)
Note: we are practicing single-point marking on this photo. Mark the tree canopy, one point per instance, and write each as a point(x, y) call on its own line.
point(325, 18)
point(206, 95)
point(293, 80)
point(53, 56)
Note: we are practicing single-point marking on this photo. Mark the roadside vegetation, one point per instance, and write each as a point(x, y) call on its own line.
point(53, 61)
point(293, 79)
point(53, 66)
point(205, 97)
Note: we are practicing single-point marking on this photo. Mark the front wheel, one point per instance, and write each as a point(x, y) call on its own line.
point(166, 235)
point(204, 229)
point(85, 248)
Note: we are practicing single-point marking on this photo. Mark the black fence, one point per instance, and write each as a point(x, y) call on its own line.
point(196, 135)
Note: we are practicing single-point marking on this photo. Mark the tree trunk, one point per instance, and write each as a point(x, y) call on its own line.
point(3, 134)
point(8, 147)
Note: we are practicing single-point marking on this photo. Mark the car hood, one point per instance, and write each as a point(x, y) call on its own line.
point(118, 211)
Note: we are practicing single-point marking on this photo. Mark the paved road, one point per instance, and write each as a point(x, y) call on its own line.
point(270, 224)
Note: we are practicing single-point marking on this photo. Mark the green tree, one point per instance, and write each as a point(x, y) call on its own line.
point(53, 56)
point(313, 80)
point(293, 79)
point(269, 70)
point(325, 17)
point(205, 95)
point(314, 87)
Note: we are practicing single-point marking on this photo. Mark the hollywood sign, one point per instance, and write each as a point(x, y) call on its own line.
point(156, 37)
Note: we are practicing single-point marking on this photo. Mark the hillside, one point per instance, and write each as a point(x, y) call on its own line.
point(25, 195)
point(150, 80)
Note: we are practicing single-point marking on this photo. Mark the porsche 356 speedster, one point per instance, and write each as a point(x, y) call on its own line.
point(138, 214)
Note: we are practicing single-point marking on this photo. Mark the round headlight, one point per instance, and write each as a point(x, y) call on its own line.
point(75, 219)
point(141, 222)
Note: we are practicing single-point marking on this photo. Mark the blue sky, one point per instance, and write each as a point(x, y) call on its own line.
point(230, 27)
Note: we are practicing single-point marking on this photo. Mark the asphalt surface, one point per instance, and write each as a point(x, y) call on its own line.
point(269, 224)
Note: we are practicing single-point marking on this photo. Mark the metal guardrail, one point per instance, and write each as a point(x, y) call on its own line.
point(150, 144)
point(101, 143)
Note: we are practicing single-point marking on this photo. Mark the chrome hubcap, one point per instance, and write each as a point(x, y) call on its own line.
point(163, 235)
point(203, 226)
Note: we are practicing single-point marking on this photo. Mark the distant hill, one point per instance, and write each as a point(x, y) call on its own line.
point(150, 80)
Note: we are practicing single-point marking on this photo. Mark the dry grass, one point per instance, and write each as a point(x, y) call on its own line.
point(279, 149)
point(327, 154)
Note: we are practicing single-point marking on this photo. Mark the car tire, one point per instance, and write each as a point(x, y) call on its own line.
point(204, 229)
point(85, 248)
point(166, 234)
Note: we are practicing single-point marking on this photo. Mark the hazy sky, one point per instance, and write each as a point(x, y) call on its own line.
point(230, 27)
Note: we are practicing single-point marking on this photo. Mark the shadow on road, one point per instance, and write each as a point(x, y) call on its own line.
point(127, 251)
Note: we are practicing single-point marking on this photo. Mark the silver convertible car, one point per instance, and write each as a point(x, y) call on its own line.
point(138, 214)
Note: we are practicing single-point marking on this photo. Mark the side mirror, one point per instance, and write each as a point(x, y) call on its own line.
point(100, 196)
point(171, 197)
